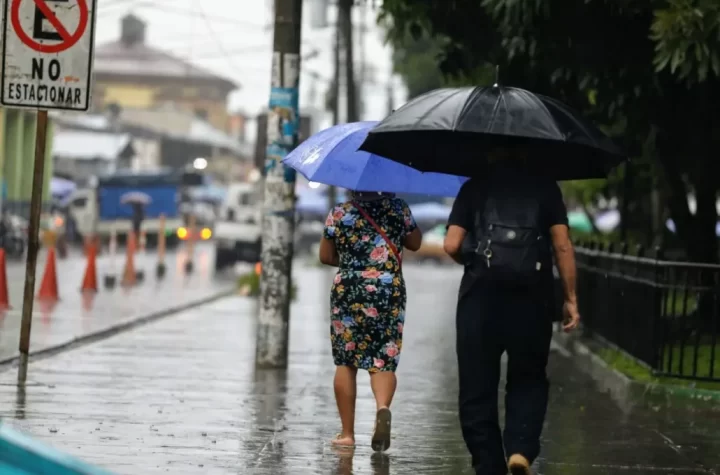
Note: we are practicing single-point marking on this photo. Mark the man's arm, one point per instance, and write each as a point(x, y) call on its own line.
point(453, 243)
point(564, 255)
point(459, 223)
point(565, 260)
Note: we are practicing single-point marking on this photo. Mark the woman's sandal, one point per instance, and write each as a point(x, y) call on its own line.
point(336, 442)
point(381, 434)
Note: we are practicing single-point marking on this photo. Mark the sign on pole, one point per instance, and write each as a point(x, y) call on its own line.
point(47, 50)
point(47, 53)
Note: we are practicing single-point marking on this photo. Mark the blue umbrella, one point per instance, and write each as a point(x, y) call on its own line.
point(332, 157)
point(61, 187)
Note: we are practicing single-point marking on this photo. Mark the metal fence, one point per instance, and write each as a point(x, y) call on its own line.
point(664, 314)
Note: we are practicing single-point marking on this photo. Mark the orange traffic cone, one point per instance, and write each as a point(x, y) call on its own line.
point(4, 298)
point(258, 268)
point(129, 277)
point(89, 283)
point(49, 284)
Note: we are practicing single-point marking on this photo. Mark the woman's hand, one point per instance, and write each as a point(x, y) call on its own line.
point(328, 253)
point(413, 240)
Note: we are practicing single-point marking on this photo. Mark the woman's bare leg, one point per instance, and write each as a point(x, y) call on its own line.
point(383, 384)
point(345, 393)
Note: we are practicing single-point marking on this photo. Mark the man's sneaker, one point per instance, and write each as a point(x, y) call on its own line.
point(519, 465)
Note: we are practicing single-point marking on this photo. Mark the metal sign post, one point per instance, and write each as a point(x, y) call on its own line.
point(33, 244)
point(47, 54)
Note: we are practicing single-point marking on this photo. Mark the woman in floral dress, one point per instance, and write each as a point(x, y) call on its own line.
point(367, 301)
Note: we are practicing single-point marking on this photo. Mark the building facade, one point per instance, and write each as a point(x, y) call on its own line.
point(130, 74)
point(17, 158)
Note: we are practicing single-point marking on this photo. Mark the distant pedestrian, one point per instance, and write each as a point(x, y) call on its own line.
point(138, 215)
point(503, 228)
point(365, 237)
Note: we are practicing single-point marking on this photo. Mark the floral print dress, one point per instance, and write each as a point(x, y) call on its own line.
point(368, 294)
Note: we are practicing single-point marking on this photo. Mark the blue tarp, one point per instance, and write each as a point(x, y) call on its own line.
point(164, 201)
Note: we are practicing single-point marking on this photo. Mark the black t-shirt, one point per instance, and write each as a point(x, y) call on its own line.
point(552, 209)
point(552, 206)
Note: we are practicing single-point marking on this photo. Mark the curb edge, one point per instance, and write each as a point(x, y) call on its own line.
point(626, 392)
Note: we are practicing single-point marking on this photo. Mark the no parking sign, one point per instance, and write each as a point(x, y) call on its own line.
point(47, 51)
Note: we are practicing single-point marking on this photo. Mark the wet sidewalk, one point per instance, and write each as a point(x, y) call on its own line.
point(181, 396)
point(69, 319)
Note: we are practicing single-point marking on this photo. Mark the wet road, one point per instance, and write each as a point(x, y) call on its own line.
point(69, 319)
point(180, 396)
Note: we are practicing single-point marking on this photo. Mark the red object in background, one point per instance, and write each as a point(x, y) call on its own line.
point(89, 283)
point(49, 285)
point(4, 298)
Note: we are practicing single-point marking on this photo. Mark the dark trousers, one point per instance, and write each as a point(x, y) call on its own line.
point(492, 319)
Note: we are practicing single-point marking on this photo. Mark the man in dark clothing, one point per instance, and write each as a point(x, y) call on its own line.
point(138, 215)
point(497, 315)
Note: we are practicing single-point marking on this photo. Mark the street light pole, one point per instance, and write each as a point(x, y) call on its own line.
point(332, 190)
point(278, 223)
point(346, 33)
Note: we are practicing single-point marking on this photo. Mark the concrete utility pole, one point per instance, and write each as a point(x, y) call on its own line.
point(278, 223)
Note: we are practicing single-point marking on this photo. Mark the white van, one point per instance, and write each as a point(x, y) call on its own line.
point(238, 225)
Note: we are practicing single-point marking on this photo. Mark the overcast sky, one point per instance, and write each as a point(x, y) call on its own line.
point(234, 39)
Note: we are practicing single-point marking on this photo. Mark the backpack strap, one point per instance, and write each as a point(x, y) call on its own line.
point(391, 245)
point(482, 197)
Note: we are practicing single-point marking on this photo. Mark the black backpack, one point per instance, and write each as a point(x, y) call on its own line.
point(511, 245)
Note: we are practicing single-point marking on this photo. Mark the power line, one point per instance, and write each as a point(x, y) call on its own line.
point(219, 43)
point(169, 8)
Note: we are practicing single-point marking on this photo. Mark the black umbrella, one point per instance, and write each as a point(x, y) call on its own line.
point(452, 131)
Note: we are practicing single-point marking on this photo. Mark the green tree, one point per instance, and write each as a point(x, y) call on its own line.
point(647, 68)
point(416, 62)
point(416, 59)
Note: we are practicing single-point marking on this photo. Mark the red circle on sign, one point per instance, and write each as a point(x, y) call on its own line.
point(68, 40)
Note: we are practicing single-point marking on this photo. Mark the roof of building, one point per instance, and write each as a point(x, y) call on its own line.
point(81, 120)
point(90, 145)
point(170, 123)
point(131, 56)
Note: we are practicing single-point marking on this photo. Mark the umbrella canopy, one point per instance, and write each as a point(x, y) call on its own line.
point(454, 130)
point(136, 197)
point(61, 187)
point(579, 221)
point(608, 221)
point(331, 157)
point(430, 212)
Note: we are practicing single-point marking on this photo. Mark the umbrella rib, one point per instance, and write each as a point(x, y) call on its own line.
point(542, 104)
point(491, 124)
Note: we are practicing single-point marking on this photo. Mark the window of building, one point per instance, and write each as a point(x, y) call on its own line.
point(80, 202)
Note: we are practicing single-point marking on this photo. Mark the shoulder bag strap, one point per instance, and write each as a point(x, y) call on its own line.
point(393, 247)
